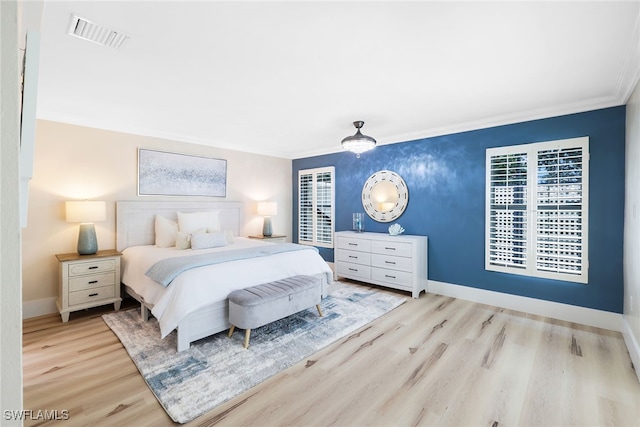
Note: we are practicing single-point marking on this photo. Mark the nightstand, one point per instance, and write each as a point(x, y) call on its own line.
point(87, 281)
point(272, 238)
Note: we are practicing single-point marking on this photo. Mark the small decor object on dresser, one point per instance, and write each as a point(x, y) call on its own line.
point(358, 222)
point(396, 229)
point(87, 281)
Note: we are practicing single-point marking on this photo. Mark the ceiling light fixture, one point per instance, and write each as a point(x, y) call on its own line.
point(358, 143)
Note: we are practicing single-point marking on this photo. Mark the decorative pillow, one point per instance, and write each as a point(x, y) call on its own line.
point(208, 240)
point(190, 222)
point(183, 240)
point(229, 236)
point(166, 231)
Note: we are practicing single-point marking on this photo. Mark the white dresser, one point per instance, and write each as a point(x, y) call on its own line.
point(398, 262)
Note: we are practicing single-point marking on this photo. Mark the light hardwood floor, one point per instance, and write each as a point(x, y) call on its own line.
point(432, 361)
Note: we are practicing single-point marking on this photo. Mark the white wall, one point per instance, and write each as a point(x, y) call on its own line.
point(10, 299)
point(74, 162)
point(631, 316)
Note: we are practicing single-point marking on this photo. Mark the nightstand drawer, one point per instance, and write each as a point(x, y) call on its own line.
point(80, 268)
point(91, 281)
point(90, 295)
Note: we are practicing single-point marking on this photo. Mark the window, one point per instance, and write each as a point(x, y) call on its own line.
point(537, 209)
point(315, 206)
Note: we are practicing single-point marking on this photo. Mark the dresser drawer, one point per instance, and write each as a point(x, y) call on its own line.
point(355, 257)
point(354, 271)
point(90, 295)
point(91, 281)
point(392, 262)
point(392, 248)
point(354, 244)
point(80, 268)
point(397, 278)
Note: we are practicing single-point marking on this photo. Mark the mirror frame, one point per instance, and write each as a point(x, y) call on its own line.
point(401, 188)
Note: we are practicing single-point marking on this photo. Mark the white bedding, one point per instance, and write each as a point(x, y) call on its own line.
point(199, 287)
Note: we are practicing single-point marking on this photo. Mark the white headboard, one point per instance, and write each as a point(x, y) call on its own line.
point(135, 220)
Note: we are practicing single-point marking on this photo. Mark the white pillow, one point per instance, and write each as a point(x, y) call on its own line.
point(190, 222)
point(208, 240)
point(229, 236)
point(166, 231)
point(183, 240)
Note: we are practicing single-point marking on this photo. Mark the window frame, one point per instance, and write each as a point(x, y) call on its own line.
point(315, 201)
point(534, 235)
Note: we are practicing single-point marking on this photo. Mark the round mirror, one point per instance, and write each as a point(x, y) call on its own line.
point(385, 196)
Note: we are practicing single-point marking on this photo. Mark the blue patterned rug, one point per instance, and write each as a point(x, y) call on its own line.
point(216, 369)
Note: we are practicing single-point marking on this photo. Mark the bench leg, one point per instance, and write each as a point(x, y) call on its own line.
point(231, 330)
point(246, 338)
point(319, 310)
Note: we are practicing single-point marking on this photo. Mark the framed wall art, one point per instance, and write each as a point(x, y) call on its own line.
point(171, 174)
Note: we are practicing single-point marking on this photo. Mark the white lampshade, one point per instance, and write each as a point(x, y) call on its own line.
point(86, 211)
point(267, 208)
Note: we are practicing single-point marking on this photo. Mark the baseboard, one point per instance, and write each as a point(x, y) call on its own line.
point(632, 345)
point(570, 313)
point(39, 307)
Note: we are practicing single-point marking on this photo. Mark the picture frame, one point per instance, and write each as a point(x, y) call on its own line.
point(162, 173)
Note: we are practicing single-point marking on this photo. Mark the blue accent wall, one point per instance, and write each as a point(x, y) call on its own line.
point(446, 180)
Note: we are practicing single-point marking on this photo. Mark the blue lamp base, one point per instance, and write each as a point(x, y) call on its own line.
point(266, 227)
point(87, 242)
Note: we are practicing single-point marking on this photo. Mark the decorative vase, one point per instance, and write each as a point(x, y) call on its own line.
point(358, 222)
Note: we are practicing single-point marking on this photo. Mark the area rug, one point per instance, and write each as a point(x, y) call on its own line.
point(216, 369)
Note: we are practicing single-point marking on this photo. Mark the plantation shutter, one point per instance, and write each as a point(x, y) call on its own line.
point(537, 209)
point(316, 206)
point(508, 210)
point(305, 210)
point(560, 242)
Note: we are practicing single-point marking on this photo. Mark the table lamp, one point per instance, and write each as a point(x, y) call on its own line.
point(86, 212)
point(267, 210)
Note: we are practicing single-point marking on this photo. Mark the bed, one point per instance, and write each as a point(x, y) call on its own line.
point(195, 302)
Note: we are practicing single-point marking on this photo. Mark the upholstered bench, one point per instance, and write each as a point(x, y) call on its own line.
point(257, 306)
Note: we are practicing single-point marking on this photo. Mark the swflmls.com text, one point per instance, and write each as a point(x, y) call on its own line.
point(39, 415)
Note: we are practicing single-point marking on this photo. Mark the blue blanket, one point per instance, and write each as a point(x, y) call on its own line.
point(164, 271)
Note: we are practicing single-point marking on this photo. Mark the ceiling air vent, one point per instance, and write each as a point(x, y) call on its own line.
point(87, 30)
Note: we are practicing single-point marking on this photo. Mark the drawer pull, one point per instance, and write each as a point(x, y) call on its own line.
point(353, 269)
point(354, 257)
point(353, 244)
point(93, 267)
point(389, 276)
point(390, 249)
point(92, 282)
point(390, 262)
point(93, 295)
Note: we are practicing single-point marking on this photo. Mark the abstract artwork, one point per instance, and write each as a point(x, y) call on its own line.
point(172, 174)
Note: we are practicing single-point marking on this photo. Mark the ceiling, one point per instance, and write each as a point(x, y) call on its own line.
point(288, 78)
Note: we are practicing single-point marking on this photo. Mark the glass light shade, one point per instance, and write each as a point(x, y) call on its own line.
point(86, 211)
point(358, 143)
